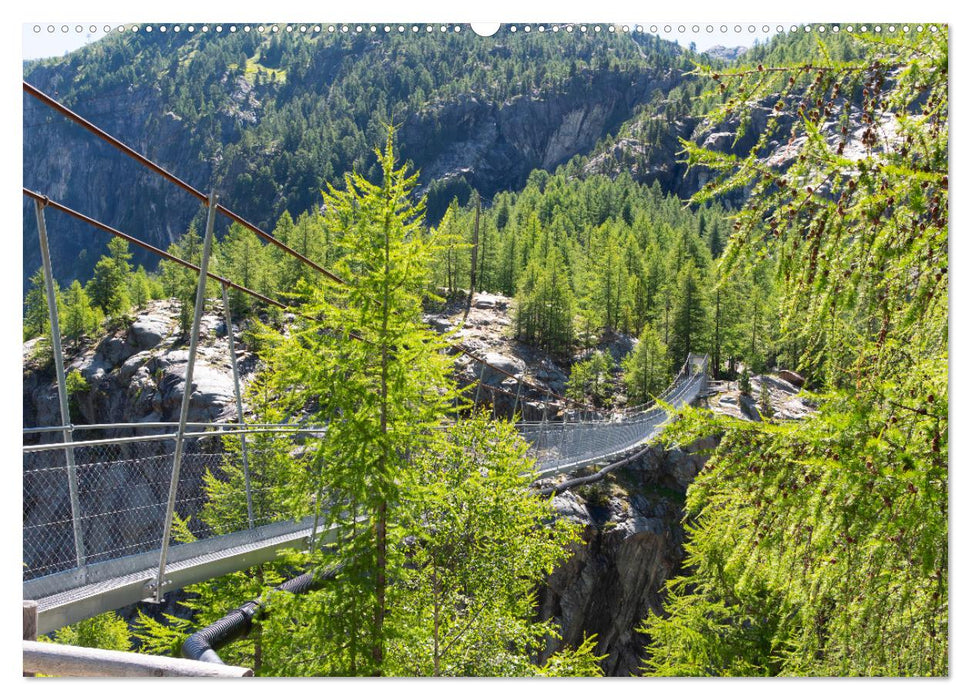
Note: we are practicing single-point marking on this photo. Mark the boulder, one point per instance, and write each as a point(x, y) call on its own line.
point(132, 365)
point(485, 301)
point(147, 332)
point(774, 384)
point(212, 398)
point(114, 350)
point(750, 408)
point(619, 345)
point(92, 367)
point(793, 378)
point(512, 365)
point(440, 324)
point(719, 141)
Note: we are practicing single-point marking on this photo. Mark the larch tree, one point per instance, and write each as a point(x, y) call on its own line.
point(108, 287)
point(820, 547)
point(37, 320)
point(689, 315)
point(80, 319)
point(646, 368)
point(382, 392)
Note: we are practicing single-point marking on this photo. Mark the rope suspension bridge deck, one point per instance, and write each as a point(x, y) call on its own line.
point(100, 513)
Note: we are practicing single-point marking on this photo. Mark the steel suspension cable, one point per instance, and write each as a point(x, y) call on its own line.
point(201, 196)
point(159, 170)
point(149, 247)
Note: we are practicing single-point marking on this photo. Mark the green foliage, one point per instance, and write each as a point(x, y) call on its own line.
point(816, 548)
point(745, 383)
point(442, 544)
point(180, 282)
point(451, 266)
point(591, 379)
point(574, 663)
point(142, 287)
point(79, 318)
point(857, 224)
point(645, 369)
point(819, 547)
point(278, 473)
point(588, 254)
point(544, 305)
point(160, 638)
point(477, 544)
point(388, 387)
point(108, 287)
point(469, 544)
point(37, 319)
point(765, 400)
point(105, 631)
point(689, 316)
point(75, 383)
point(245, 260)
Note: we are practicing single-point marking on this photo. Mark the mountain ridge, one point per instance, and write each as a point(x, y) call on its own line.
point(267, 121)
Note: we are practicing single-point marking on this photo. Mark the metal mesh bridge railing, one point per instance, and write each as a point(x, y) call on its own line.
point(123, 490)
point(568, 445)
point(122, 482)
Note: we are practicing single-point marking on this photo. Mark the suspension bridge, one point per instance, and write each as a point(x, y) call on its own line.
point(102, 504)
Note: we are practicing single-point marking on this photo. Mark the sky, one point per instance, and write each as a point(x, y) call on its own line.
point(40, 42)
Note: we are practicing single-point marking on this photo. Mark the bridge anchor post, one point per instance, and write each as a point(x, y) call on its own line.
point(68, 434)
point(186, 396)
point(239, 405)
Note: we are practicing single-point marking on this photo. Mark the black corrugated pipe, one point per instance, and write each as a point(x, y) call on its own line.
point(202, 645)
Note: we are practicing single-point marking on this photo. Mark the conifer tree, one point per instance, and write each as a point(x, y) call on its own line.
point(816, 542)
point(590, 379)
point(180, 282)
point(645, 369)
point(142, 288)
point(242, 258)
point(544, 304)
point(689, 316)
point(79, 318)
point(381, 395)
point(108, 287)
point(37, 320)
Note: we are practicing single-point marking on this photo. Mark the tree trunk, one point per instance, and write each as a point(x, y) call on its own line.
point(475, 253)
point(717, 349)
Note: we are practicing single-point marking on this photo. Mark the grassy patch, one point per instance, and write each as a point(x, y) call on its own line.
point(254, 68)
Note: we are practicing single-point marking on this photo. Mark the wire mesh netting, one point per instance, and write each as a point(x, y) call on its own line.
point(123, 492)
point(122, 484)
point(558, 445)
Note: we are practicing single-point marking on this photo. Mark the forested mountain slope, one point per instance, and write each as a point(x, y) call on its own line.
point(267, 119)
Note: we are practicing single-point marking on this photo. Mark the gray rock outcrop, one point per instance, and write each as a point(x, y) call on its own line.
point(133, 375)
point(138, 374)
point(632, 544)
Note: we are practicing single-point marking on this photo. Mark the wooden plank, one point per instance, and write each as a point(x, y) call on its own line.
point(30, 620)
point(64, 660)
point(30, 625)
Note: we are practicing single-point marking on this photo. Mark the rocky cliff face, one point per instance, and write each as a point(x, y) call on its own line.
point(66, 163)
point(137, 374)
point(632, 544)
point(495, 146)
